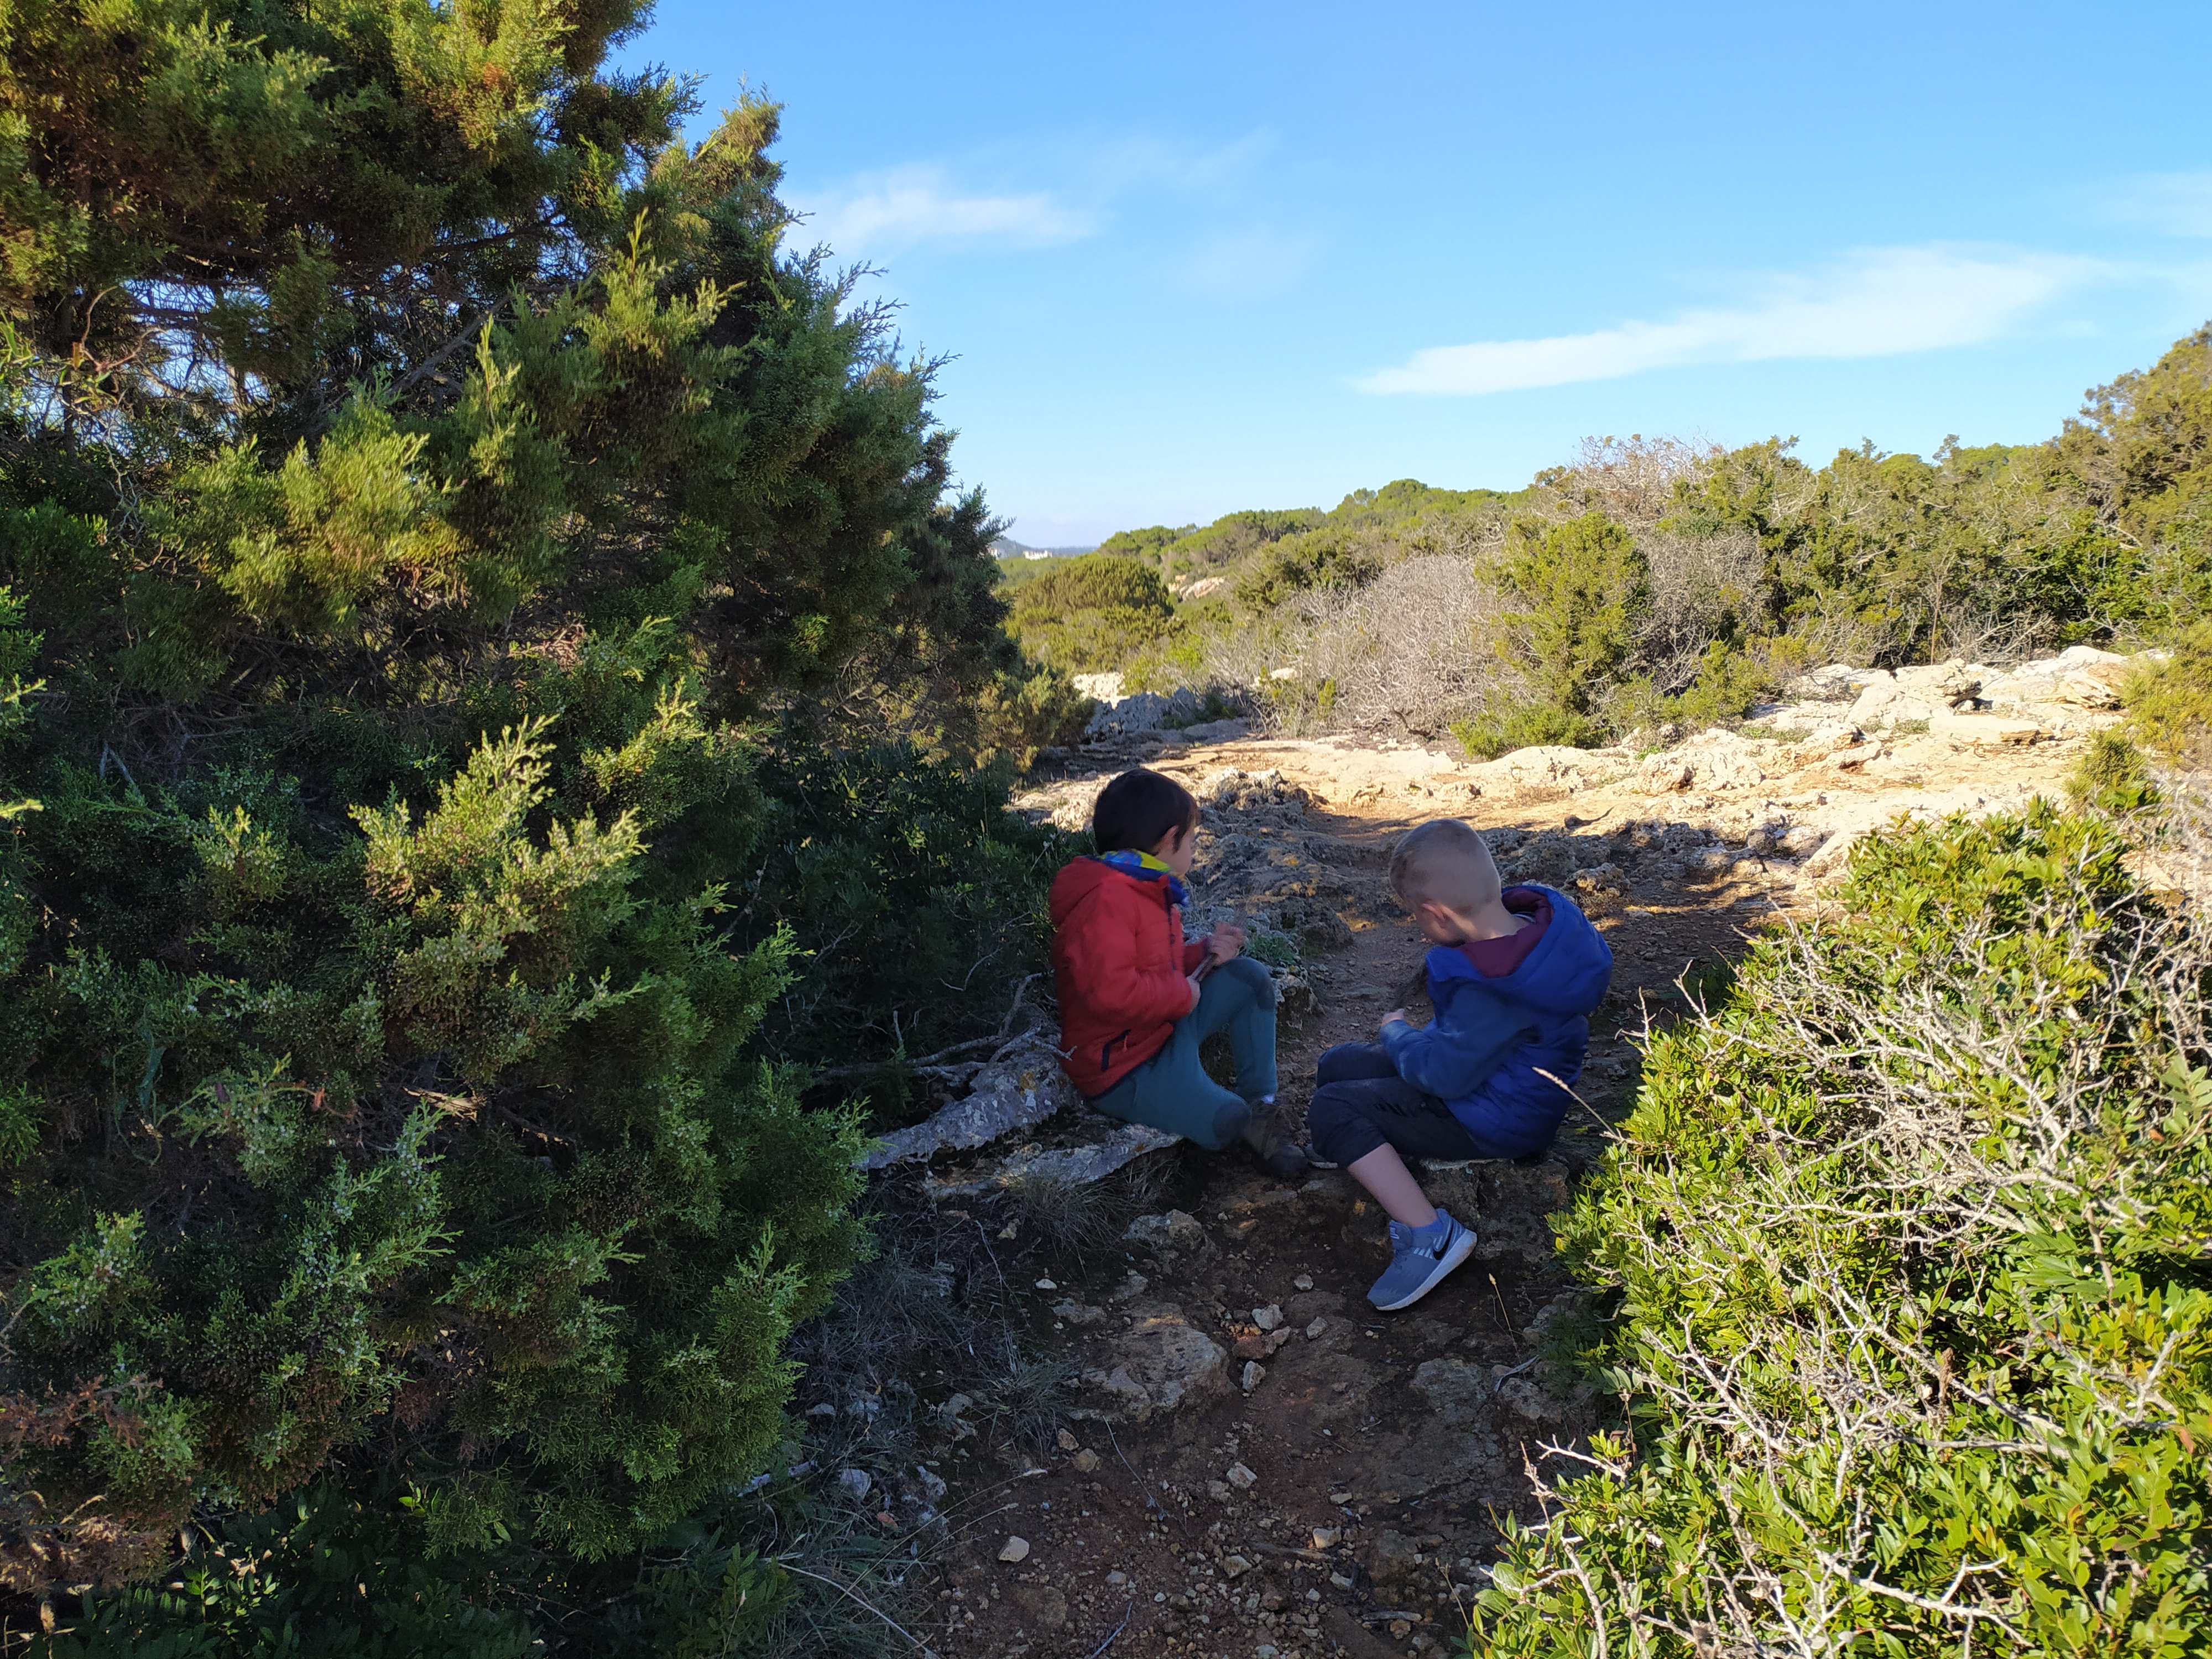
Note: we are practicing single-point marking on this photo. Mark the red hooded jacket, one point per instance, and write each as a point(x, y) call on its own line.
point(1122, 968)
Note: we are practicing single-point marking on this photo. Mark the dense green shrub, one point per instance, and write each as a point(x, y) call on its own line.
point(2169, 701)
point(1095, 611)
point(1498, 731)
point(1579, 586)
point(1906, 1245)
point(907, 889)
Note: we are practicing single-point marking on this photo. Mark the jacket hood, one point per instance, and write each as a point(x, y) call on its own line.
point(1080, 878)
point(1567, 973)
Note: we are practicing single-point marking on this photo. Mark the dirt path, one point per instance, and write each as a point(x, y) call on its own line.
point(1258, 1464)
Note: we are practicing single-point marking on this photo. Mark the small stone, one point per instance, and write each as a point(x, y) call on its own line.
point(1047, 1284)
point(932, 1482)
point(1235, 1566)
point(1392, 1557)
point(1400, 1628)
point(825, 1409)
point(1068, 1442)
point(1010, 1230)
point(1253, 1371)
point(1077, 1313)
point(1242, 1478)
point(1304, 1282)
point(1340, 1580)
point(1316, 1327)
point(1325, 1538)
point(1117, 1578)
point(1218, 1490)
point(1015, 1549)
point(1340, 1499)
point(1268, 1317)
point(855, 1482)
point(1085, 1461)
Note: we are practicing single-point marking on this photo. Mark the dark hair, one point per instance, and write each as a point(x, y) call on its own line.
point(1137, 809)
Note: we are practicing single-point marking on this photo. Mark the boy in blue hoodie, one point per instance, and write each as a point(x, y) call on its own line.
point(1514, 977)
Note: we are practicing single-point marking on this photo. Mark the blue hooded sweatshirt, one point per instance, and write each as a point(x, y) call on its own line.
point(1484, 1053)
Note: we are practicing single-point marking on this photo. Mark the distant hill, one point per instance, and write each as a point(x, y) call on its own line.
point(1007, 548)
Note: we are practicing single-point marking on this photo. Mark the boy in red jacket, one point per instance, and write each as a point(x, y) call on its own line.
point(1136, 1000)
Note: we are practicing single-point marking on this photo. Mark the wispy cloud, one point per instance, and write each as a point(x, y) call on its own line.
point(1879, 303)
point(1257, 260)
point(928, 202)
point(2178, 203)
point(879, 212)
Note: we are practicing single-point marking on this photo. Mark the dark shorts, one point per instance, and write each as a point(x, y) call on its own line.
point(1361, 1102)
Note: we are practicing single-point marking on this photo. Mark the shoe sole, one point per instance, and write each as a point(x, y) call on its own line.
point(1462, 1248)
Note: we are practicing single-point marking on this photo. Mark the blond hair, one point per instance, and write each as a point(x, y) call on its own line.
point(1444, 862)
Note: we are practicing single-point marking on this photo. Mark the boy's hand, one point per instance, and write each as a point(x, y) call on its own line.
point(1196, 992)
point(1394, 1014)
point(1224, 941)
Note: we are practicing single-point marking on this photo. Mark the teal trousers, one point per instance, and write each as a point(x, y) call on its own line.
point(1171, 1091)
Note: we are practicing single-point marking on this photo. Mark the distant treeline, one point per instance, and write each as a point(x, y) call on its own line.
point(1653, 580)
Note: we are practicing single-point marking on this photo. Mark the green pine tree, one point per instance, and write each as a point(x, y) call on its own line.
point(427, 491)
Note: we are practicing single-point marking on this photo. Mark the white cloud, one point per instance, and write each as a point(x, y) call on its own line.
point(910, 204)
point(1879, 303)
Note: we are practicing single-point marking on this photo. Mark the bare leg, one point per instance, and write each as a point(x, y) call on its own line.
point(1386, 1178)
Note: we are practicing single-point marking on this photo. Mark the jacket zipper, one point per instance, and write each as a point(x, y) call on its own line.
point(1106, 1051)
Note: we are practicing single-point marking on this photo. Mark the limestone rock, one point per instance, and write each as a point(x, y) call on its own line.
point(1177, 1233)
point(1233, 791)
point(1014, 1549)
point(1020, 1090)
point(1085, 1461)
point(1255, 1373)
point(1268, 1317)
point(1990, 729)
point(1242, 1478)
point(1072, 1312)
point(1147, 711)
point(1832, 854)
point(1157, 1362)
point(1457, 1392)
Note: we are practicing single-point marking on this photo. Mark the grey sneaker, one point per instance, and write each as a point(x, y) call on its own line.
point(1420, 1260)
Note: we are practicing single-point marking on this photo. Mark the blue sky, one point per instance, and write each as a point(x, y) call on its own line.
point(1194, 257)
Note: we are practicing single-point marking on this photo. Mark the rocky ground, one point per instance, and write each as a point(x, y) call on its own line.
point(1252, 1461)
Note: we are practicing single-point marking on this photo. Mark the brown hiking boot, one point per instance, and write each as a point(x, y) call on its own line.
point(1272, 1149)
